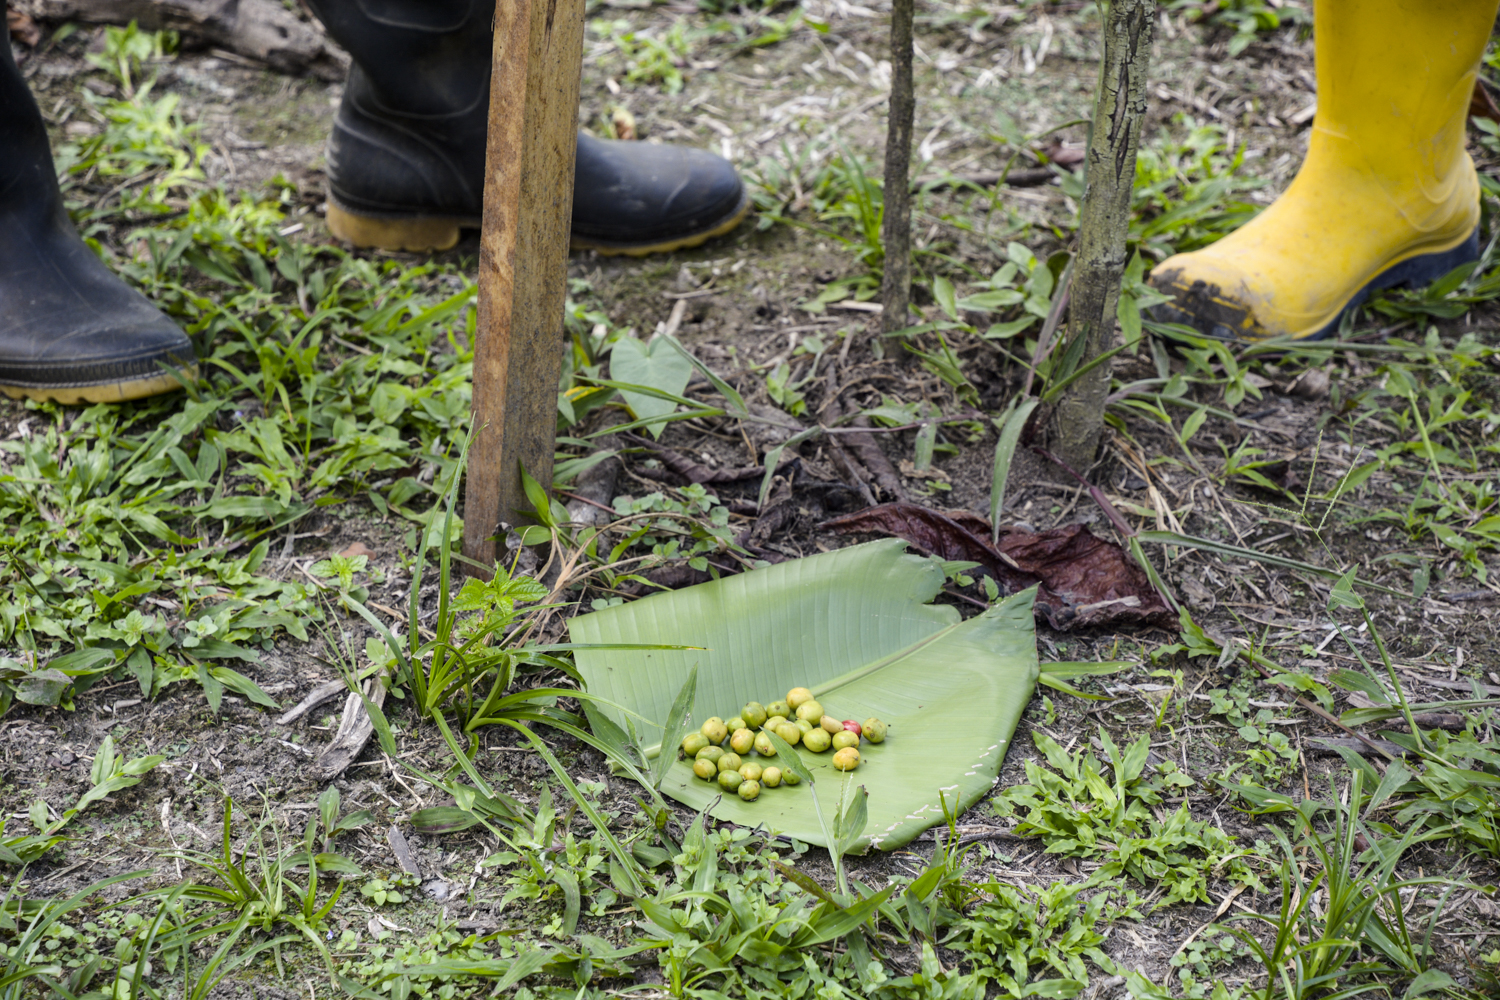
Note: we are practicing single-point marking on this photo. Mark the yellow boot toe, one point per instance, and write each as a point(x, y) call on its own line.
point(1385, 196)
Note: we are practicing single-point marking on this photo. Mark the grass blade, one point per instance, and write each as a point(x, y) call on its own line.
point(676, 723)
point(1010, 425)
point(1227, 551)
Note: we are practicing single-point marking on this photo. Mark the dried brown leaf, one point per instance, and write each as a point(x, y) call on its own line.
point(22, 28)
point(1082, 580)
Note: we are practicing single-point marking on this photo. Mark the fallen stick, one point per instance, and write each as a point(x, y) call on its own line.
point(872, 458)
point(323, 692)
point(1331, 744)
point(985, 178)
point(262, 30)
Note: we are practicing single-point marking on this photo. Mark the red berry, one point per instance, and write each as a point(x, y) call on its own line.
point(851, 726)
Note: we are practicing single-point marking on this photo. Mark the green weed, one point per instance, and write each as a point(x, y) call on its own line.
point(446, 963)
point(1188, 189)
point(1016, 930)
point(110, 773)
point(1248, 18)
point(1357, 935)
point(648, 58)
point(29, 961)
point(325, 379)
point(255, 884)
point(1082, 808)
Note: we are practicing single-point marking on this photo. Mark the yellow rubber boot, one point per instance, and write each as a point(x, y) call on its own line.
point(1386, 196)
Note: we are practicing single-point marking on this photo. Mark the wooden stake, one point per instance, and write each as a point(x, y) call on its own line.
point(523, 260)
point(1104, 224)
point(895, 285)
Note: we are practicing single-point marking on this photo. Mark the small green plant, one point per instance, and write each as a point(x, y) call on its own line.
point(1189, 189)
point(256, 886)
point(341, 570)
point(110, 773)
point(1197, 961)
point(444, 962)
point(541, 873)
point(1021, 288)
point(1249, 19)
point(1083, 808)
point(127, 49)
point(733, 916)
point(649, 58)
point(1271, 756)
point(1018, 929)
point(1357, 933)
point(843, 192)
point(28, 962)
point(327, 825)
point(381, 893)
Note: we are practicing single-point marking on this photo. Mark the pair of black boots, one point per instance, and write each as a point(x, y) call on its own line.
point(406, 172)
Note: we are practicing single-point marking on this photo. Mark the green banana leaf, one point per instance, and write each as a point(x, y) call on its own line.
point(855, 626)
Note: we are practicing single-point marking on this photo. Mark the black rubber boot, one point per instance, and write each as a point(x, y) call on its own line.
point(70, 330)
point(406, 157)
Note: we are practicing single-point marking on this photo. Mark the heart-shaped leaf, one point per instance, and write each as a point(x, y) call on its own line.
point(853, 625)
point(656, 365)
point(44, 687)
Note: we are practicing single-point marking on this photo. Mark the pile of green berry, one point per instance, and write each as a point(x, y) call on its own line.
point(797, 719)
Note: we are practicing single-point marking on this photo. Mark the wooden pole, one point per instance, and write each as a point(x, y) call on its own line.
point(895, 284)
point(523, 260)
point(1104, 225)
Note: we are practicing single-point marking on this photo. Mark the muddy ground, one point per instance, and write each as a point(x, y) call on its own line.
point(744, 296)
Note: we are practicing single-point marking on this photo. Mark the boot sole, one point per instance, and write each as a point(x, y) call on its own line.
point(607, 248)
point(104, 392)
point(1415, 271)
point(429, 233)
point(412, 234)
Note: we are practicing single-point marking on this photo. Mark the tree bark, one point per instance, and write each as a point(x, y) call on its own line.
point(895, 227)
point(1119, 110)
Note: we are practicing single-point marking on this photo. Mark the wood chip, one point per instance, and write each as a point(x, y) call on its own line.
point(353, 733)
point(402, 851)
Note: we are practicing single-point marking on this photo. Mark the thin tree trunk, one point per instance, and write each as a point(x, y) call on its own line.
point(895, 286)
point(1119, 110)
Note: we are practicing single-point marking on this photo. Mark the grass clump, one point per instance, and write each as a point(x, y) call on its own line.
point(1082, 808)
point(141, 533)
